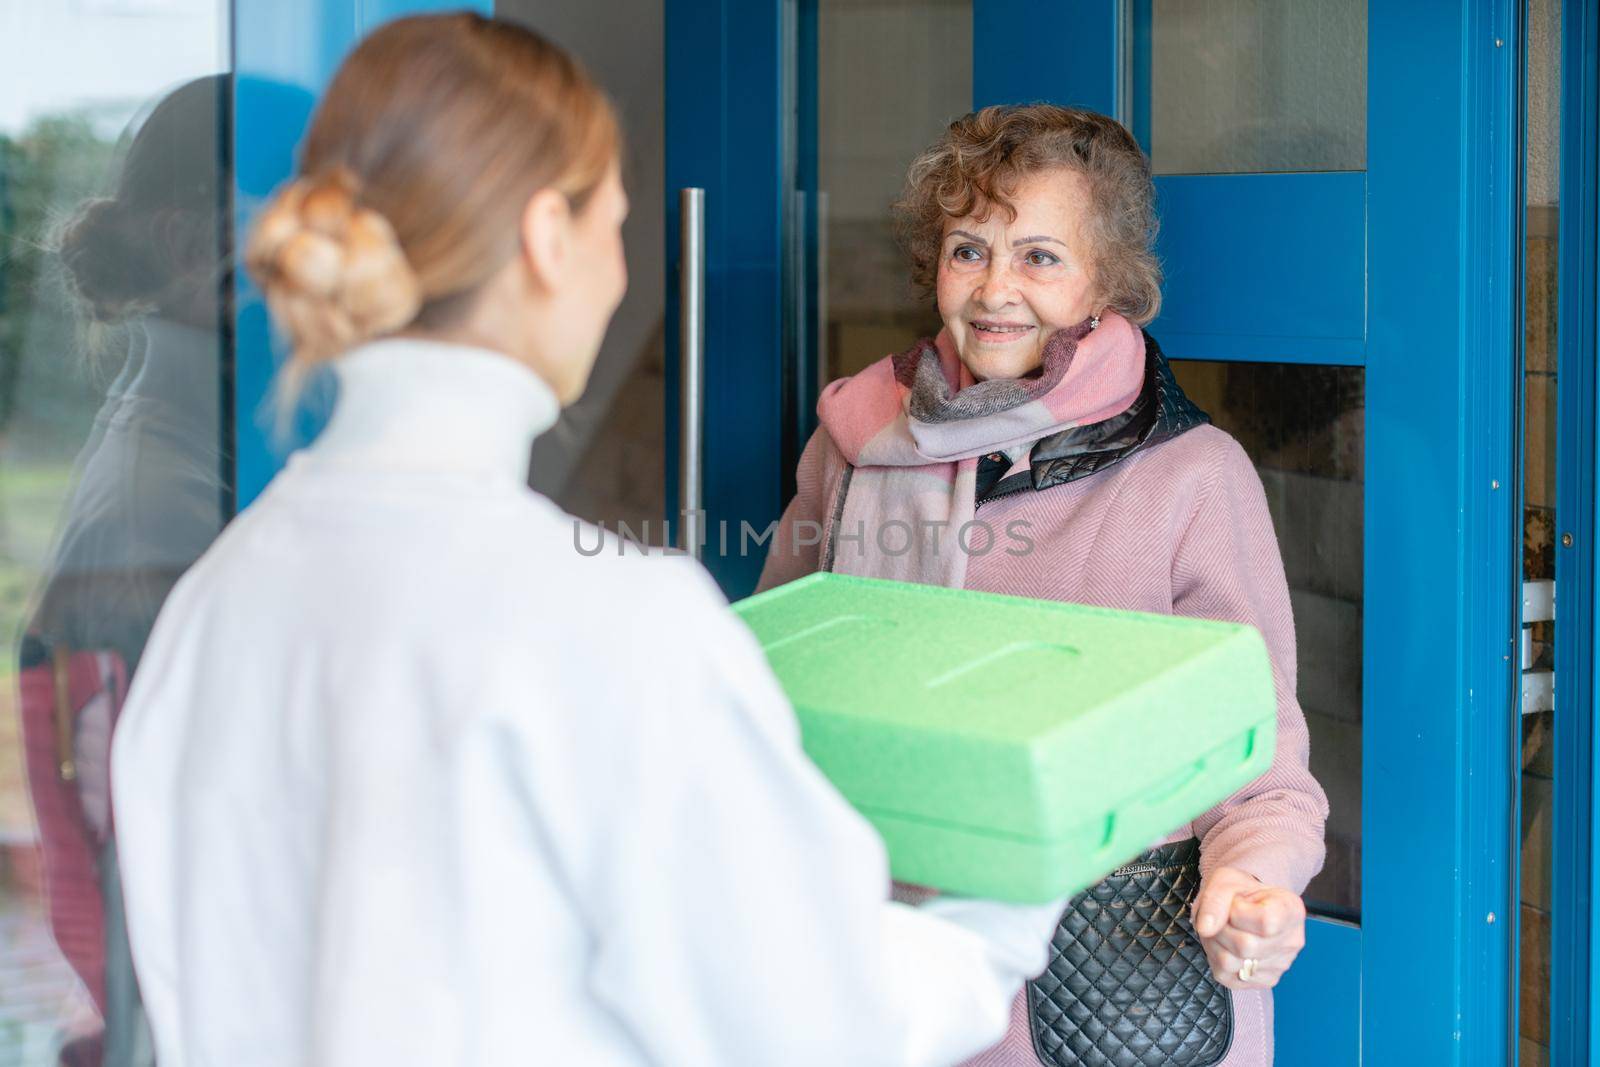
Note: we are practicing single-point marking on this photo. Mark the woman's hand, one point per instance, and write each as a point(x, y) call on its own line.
point(1238, 918)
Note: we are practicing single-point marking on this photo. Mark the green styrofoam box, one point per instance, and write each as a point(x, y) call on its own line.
point(1010, 748)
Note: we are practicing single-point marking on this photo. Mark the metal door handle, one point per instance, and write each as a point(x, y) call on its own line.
point(824, 372)
point(691, 366)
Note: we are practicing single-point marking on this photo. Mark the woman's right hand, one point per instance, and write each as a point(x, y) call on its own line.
point(1238, 918)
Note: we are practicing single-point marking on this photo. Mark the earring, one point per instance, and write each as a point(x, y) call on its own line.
point(1094, 322)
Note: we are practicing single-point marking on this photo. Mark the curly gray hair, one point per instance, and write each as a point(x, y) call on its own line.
point(982, 157)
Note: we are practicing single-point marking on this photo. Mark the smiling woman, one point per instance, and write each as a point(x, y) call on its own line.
point(1025, 221)
point(1001, 296)
point(1042, 410)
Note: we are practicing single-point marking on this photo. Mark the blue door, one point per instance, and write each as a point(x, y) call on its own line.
point(1345, 303)
point(1340, 295)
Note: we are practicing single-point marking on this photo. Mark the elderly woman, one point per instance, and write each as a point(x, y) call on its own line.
point(1040, 446)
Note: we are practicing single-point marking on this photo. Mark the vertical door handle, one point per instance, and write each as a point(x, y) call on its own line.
point(824, 373)
point(691, 366)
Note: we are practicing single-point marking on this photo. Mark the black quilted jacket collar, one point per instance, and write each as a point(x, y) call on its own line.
point(1161, 412)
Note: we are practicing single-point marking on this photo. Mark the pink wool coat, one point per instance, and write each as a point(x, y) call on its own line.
point(1180, 528)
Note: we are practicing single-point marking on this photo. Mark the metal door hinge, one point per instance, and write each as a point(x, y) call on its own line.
point(1538, 686)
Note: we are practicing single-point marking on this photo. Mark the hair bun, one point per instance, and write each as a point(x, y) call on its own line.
point(110, 259)
point(333, 271)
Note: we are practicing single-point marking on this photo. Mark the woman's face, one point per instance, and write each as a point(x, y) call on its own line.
point(1006, 285)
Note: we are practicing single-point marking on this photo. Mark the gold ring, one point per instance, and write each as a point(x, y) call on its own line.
point(1248, 971)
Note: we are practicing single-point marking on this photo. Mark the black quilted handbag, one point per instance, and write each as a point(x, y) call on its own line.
point(1128, 984)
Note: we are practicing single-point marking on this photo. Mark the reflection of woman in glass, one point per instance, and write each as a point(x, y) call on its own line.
point(1040, 446)
point(148, 496)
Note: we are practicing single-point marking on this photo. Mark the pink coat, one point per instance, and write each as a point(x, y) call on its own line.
point(1180, 528)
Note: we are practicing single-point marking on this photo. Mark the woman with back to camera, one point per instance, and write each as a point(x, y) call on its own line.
point(407, 780)
point(1040, 446)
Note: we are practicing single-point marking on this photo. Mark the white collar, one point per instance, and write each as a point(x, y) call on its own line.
point(407, 404)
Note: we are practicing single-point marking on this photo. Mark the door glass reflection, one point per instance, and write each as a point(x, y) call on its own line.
point(1303, 427)
point(873, 119)
point(606, 459)
point(114, 475)
point(1240, 86)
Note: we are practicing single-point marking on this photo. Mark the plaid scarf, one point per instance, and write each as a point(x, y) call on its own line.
point(913, 427)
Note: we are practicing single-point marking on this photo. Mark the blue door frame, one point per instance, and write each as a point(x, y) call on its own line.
point(1405, 269)
point(1574, 996)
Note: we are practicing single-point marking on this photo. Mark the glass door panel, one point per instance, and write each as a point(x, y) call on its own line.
point(1255, 117)
point(605, 461)
point(1242, 86)
point(873, 118)
point(1304, 426)
point(115, 458)
point(1542, 101)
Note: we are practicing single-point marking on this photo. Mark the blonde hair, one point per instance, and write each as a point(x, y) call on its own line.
point(430, 141)
point(982, 158)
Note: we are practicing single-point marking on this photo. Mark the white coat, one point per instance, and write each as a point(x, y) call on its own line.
point(405, 778)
